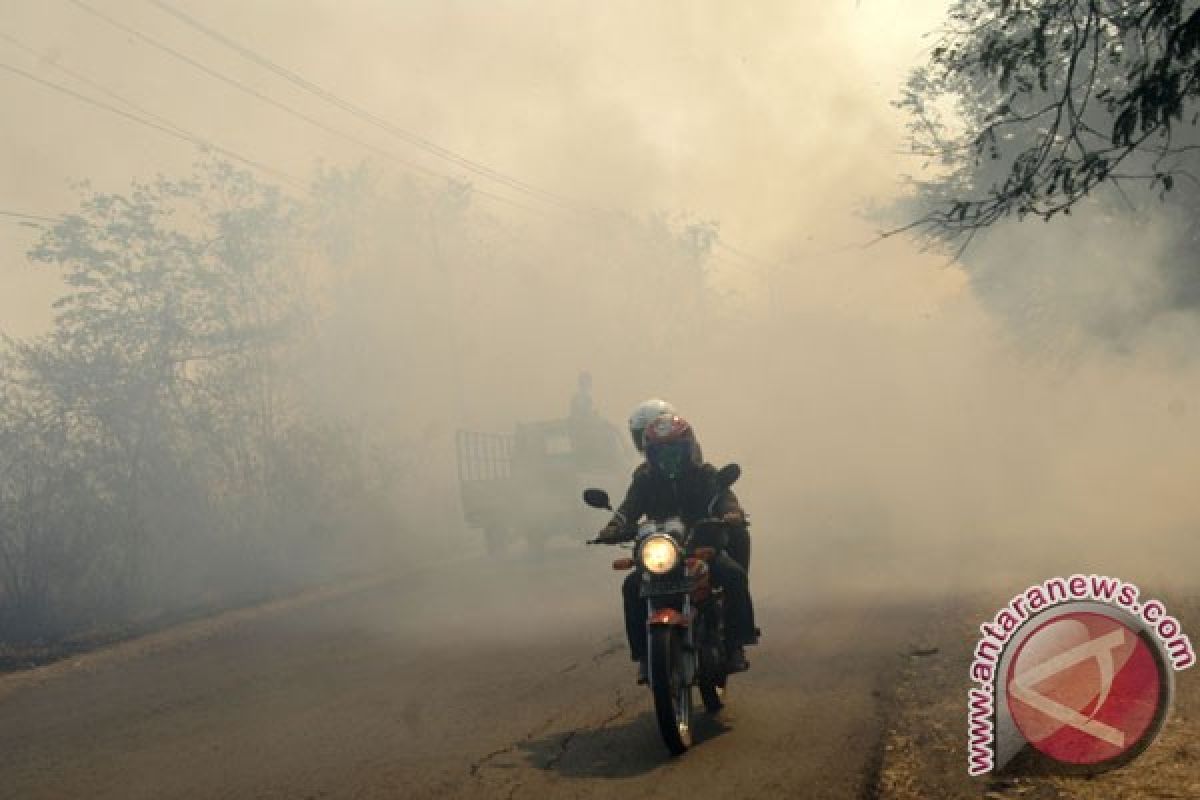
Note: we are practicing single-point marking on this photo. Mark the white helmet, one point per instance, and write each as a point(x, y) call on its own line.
point(644, 414)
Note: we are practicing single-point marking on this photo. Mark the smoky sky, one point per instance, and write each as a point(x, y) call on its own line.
point(772, 119)
point(878, 406)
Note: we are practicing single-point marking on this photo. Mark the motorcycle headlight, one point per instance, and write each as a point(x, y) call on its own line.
point(659, 554)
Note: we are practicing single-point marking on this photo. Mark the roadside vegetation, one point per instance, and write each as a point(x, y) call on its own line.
point(244, 391)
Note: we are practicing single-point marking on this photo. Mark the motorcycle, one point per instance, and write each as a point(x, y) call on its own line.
point(685, 624)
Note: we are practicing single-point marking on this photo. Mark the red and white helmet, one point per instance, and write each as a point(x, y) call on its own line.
point(671, 446)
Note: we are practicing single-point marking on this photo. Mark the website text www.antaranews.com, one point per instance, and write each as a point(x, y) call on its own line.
point(1037, 598)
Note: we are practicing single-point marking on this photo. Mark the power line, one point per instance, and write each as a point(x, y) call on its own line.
point(358, 111)
point(86, 81)
point(163, 125)
point(462, 161)
point(27, 218)
point(173, 131)
point(424, 143)
point(409, 136)
point(283, 106)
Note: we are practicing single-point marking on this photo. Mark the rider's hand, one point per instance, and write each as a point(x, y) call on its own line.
point(609, 534)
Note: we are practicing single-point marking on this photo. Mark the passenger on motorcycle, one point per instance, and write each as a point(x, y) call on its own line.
point(643, 415)
point(675, 480)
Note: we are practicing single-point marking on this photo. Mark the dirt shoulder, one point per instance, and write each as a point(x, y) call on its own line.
point(27, 663)
point(164, 634)
point(925, 747)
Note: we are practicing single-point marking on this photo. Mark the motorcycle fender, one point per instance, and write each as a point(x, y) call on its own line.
point(667, 616)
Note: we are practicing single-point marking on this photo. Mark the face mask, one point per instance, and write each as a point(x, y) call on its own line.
point(670, 458)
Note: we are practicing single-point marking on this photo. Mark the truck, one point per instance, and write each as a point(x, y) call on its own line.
point(526, 485)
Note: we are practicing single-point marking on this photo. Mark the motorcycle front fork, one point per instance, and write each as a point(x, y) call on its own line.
point(689, 652)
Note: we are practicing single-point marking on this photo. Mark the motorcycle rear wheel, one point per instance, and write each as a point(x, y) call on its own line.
point(672, 695)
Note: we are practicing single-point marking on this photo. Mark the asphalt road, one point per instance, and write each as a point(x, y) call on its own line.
point(483, 679)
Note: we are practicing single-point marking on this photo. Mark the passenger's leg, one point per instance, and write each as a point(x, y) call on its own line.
point(739, 609)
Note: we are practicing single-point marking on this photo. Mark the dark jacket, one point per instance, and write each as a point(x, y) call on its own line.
point(653, 495)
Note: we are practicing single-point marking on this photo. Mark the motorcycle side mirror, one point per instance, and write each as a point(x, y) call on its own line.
point(728, 475)
point(597, 498)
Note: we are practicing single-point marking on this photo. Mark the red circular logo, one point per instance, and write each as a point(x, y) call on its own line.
point(1085, 688)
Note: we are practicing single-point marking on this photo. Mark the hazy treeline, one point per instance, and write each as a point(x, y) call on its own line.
point(245, 391)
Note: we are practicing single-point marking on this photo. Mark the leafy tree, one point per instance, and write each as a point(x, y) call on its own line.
point(1029, 105)
point(243, 391)
point(145, 423)
point(51, 514)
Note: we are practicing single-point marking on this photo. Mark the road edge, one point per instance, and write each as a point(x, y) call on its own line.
point(181, 634)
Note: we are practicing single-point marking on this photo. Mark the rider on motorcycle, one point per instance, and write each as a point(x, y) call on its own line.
point(643, 415)
point(675, 480)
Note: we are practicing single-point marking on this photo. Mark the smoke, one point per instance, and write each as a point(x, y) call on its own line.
point(905, 423)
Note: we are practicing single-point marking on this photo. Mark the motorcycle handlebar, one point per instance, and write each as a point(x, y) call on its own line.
point(618, 543)
point(700, 523)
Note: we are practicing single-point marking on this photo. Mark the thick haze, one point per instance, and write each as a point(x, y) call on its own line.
point(891, 426)
point(773, 119)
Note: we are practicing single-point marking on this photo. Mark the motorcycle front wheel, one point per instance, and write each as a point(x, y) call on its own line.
point(672, 694)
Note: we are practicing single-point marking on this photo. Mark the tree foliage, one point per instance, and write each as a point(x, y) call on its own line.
point(1029, 105)
point(150, 438)
point(242, 390)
